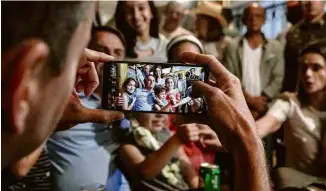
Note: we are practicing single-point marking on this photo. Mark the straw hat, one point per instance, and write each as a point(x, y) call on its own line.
point(210, 9)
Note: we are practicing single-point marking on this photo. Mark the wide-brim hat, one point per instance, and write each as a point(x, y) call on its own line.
point(211, 9)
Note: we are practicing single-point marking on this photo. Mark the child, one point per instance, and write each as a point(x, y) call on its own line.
point(129, 87)
point(161, 102)
point(172, 95)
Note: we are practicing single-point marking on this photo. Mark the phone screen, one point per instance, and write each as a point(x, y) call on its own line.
point(152, 87)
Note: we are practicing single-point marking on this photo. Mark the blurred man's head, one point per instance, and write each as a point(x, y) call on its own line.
point(41, 46)
point(254, 17)
point(294, 11)
point(174, 14)
point(111, 42)
point(180, 76)
point(313, 9)
point(147, 69)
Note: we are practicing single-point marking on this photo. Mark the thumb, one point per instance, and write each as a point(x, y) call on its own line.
point(100, 116)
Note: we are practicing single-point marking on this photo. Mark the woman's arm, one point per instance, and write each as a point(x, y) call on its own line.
point(267, 125)
point(148, 167)
point(187, 170)
point(132, 103)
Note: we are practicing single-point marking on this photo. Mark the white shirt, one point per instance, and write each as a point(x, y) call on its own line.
point(251, 69)
point(304, 132)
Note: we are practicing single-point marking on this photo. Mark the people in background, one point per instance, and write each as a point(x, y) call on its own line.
point(230, 30)
point(181, 85)
point(129, 87)
point(173, 15)
point(152, 158)
point(258, 62)
point(209, 28)
point(135, 73)
point(311, 27)
point(158, 74)
point(293, 15)
point(303, 116)
point(146, 69)
point(183, 43)
point(138, 22)
point(82, 155)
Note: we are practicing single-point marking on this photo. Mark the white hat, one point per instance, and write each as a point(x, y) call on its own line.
point(184, 38)
point(210, 9)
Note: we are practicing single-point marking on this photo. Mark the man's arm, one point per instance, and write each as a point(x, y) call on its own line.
point(233, 122)
point(150, 166)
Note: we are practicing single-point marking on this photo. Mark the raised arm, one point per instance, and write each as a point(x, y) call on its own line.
point(150, 166)
point(267, 125)
point(233, 123)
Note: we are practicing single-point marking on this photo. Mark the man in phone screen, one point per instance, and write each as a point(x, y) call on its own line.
point(145, 96)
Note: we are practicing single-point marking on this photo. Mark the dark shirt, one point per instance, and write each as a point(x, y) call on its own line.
point(38, 178)
point(297, 38)
point(159, 182)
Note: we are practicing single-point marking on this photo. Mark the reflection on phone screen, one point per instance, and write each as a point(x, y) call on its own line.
point(148, 87)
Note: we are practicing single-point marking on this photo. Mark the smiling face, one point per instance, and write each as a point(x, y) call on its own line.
point(313, 73)
point(158, 72)
point(153, 122)
point(149, 82)
point(131, 86)
point(138, 15)
point(169, 84)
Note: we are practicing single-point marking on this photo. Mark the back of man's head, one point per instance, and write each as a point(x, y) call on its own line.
point(41, 46)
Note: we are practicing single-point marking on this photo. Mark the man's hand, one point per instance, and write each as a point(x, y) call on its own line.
point(87, 81)
point(233, 123)
point(187, 133)
point(227, 108)
point(257, 103)
point(208, 138)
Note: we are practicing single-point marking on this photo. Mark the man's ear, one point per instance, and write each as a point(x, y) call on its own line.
point(20, 71)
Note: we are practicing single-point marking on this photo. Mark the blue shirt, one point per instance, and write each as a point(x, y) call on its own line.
point(82, 154)
point(144, 100)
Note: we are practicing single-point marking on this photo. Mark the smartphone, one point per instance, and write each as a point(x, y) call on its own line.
point(152, 87)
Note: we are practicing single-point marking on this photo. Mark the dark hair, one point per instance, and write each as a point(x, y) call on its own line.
point(169, 77)
point(154, 71)
point(147, 76)
point(227, 14)
point(171, 49)
point(159, 89)
point(128, 32)
point(318, 47)
point(109, 30)
point(53, 22)
point(215, 29)
point(246, 12)
point(126, 82)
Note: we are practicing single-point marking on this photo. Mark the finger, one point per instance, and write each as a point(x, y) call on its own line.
point(200, 89)
point(95, 56)
point(220, 73)
point(89, 79)
point(100, 116)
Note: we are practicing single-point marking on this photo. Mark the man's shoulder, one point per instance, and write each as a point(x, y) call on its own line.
point(275, 44)
point(235, 42)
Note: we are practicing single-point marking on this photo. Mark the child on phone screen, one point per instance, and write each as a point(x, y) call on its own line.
point(129, 87)
point(161, 104)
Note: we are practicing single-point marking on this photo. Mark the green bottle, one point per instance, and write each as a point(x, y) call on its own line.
point(211, 176)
